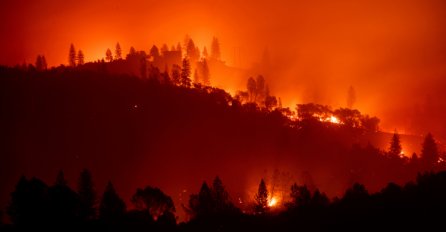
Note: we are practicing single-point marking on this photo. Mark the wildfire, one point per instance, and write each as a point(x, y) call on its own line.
point(272, 202)
point(333, 119)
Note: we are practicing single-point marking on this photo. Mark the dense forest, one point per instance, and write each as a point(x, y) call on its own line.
point(154, 120)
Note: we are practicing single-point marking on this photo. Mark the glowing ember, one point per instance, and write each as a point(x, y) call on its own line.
point(333, 119)
point(272, 202)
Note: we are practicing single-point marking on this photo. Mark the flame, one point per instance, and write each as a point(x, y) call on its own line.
point(272, 202)
point(333, 119)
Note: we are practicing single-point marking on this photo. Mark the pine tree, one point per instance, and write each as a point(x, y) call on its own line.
point(176, 75)
point(252, 89)
point(118, 52)
point(44, 64)
point(72, 56)
point(191, 52)
point(196, 77)
point(39, 64)
point(80, 58)
point(112, 207)
point(185, 73)
point(108, 55)
point(205, 73)
point(132, 51)
point(60, 179)
point(395, 145)
point(164, 49)
point(220, 196)
point(261, 198)
point(87, 196)
point(215, 49)
point(429, 152)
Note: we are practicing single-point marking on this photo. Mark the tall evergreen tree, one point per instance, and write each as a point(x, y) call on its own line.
point(132, 51)
point(220, 196)
point(118, 52)
point(205, 73)
point(215, 49)
point(252, 89)
point(164, 49)
point(64, 202)
point(87, 195)
point(154, 52)
point(39, 64)
point(72, 56)
point(185, 73)
point(395, 145)
point(44, 64)
point(196, 77)
point(191, 52)
point(429, 152)
point(109, 55)
point(112, 207)
point(80, 58)
point(261, 198)
point(205, 53)
point(60, 179)
point(176, 75)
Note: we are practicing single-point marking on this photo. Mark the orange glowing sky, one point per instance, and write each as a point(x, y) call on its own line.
point(392, 52)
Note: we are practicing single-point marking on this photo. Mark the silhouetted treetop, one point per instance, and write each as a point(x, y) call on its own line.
point(261, 198)
point(112, 207)
point(395, 145)
point(87, 195)
point(153, 201)
point(72, 56)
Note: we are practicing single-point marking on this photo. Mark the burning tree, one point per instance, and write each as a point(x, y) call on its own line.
point(261, 198)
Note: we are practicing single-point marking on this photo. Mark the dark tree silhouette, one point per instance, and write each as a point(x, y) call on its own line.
point(87, 195)
point(429, 152)
point(180, 49)
point(108, 55)
point(260, 88)
point(252, 89)
point(176, 75)
point(201, 204)
point(40, 63)
point(356, 194)
point(185, 73)
point(300, 196)
point(220, 196)
point(395, 145)
point(319, 199)
point(215, 49)
point(261, 198)
point(132, 51)
point(80, 58)
point(196, 77)
point(118, 52)
point(64, 202)
point(72, 56)
point(153, 201)
point(143, 66)
point(112, 207)
point(191, 52)
point(164, 49)
point(154, 52)
point(351, 97)
point(205, 73)
point(270, 101)
point(29, 203)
